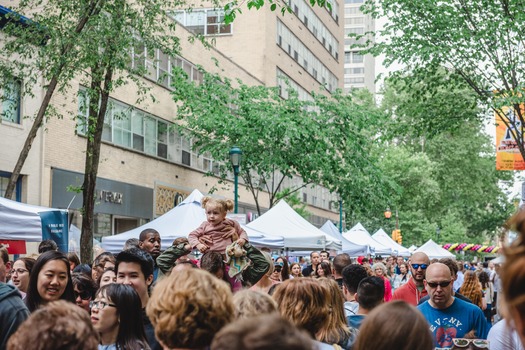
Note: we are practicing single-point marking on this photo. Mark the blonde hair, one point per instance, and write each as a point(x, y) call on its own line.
point(336, 329)
point(188, 307)
point(224, 205)
point(250, 303)
point(269, 260)
point(303, 302)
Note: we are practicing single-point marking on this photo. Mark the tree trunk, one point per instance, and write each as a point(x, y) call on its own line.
point(93, 145)
point(94, 9)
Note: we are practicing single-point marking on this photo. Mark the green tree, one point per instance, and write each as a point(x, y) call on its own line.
point(436, 154)
point(481, 41)
point(92, 39)
point(327, 141)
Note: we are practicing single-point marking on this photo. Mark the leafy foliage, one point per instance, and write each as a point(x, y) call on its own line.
point(442, 162)
point(327, 141)
point(480, 41)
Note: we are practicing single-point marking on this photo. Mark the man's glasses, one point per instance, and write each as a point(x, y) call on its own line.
point(18, 271)
point(479, 343)
point(417, 266)
point(83, 295)
point(277, 268)
point(441, 284)
point(100, 304)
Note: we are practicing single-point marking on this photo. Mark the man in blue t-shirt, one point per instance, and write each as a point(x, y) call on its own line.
point(448, 316)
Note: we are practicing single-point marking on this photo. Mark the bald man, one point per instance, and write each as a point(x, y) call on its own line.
point(449, 317)
point(414, 289)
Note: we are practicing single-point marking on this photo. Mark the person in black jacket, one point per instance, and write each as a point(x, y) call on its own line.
point(13, 312)
point(312, 268)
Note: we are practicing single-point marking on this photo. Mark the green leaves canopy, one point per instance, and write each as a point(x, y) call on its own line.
point(326, 141)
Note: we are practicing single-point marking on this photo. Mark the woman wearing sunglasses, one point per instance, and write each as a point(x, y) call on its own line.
point(116, 314)
point(84, 289)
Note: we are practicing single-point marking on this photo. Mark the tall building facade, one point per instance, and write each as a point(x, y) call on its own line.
point(146, 168)
point(303, 47)
point(359, 69)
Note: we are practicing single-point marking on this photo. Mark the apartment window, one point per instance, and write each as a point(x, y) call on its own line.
point(354, 71)
point(348, 57)
point(354, 80)
point(357, 57)
point(4, 180)
point(358, 31)
point(354, 1)
point(159, 65)
point(315, 25)
point(11, 101)
point(300, 53)
point(131, 128)
point(354, 20)
point(203, 21)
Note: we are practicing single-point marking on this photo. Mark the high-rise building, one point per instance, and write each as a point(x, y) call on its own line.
point(359, 69)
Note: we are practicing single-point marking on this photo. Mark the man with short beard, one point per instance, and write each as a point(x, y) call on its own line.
point(414, 289)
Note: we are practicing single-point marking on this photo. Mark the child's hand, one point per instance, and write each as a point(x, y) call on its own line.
point(229, 233)
point(241, 242)
point(202, 247)
point(206, 239)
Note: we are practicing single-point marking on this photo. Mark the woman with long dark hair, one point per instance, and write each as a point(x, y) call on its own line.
point(285, 271)
point(50, 280)
point(116, 314)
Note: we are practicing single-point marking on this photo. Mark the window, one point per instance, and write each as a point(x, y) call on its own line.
point(300, 53)
point(4, 180)
point(158, 65)
point(11, 100)
point(358, 30)
point(357, 57)
point(315, 25)
point(354, 1)
point(136, 130)
point(203, 21)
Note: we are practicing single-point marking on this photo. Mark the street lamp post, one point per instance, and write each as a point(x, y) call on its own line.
point(340, 214)
point(235, 159)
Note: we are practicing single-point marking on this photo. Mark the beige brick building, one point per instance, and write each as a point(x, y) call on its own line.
point(145, 167)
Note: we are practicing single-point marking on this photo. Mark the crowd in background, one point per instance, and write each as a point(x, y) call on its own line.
point(142, 298)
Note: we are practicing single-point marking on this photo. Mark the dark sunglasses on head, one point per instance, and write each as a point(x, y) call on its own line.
point(417, 266)
point(441, 284)
point(463, 343)
point(83, 295)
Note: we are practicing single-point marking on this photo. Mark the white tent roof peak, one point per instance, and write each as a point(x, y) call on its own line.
point(382, 237)
point(298, 233)
point(434, 250)
point(359, 235)
point(179, 222)
point(348, 247)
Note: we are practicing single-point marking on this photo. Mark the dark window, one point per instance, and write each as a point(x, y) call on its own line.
point(186, 158)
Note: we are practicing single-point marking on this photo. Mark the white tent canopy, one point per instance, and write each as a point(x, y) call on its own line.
point(298, 233)
point(383, 238)
point(360, 236)
point(434, 250)
point(20, 221)
point(179, 222)
point(348, 247)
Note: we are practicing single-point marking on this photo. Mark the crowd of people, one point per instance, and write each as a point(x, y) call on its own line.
point(143, 298)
